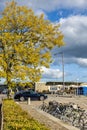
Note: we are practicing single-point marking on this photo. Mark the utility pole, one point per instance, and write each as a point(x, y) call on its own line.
point(62, 68)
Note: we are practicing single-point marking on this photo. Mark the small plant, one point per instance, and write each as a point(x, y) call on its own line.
point(16, 119)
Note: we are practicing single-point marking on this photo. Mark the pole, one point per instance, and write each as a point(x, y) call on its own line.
point(77, 86)
point(28, 102)
point(63, 70)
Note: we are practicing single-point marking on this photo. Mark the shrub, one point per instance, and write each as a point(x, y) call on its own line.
point(16, 119)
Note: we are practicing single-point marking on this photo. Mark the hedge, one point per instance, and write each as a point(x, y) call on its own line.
point(14, 118)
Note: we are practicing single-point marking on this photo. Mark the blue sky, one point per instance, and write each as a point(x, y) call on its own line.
point(72, 15)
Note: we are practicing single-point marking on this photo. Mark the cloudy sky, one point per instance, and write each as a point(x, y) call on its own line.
point(72, 15)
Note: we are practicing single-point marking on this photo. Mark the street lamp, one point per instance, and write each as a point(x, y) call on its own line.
point(62, 67)
point(77, 80)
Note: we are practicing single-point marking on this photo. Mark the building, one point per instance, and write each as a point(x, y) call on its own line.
point(82, 89)
point(55, 86)
point(41, 86)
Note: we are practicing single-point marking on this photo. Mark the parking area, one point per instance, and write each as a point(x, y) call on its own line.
point(79, 100)
point(49, 120)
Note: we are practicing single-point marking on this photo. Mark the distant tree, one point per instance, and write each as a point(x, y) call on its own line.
point(26, 41)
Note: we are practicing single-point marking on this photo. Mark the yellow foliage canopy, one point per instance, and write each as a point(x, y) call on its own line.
point(25, 42)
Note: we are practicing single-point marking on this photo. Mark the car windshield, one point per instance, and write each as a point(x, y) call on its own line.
point(32, 92)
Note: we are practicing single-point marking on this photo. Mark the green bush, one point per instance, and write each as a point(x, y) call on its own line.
point(14, 118)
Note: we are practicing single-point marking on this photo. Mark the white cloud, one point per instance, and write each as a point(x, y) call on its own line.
point(74, 29)
point(51, 73)
point(82, 61)
point(39, 12)
point(51, 5)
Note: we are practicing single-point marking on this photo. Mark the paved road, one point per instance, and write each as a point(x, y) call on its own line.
point(80, 100)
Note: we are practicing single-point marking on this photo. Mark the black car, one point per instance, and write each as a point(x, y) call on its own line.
point(25, 94)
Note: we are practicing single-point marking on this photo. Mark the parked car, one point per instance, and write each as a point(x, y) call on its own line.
point(5, 91)
point(25, 94)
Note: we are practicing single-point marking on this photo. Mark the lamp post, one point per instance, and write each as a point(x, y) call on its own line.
point(77, 80)
point(62, 67)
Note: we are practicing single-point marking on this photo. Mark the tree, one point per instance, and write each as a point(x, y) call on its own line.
point(26, 41)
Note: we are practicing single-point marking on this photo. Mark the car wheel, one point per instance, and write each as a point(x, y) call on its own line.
point(22, 99)
point(41, 98)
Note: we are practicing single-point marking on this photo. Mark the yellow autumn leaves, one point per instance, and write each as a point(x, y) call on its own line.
point(17, 119)
point(25, 42)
